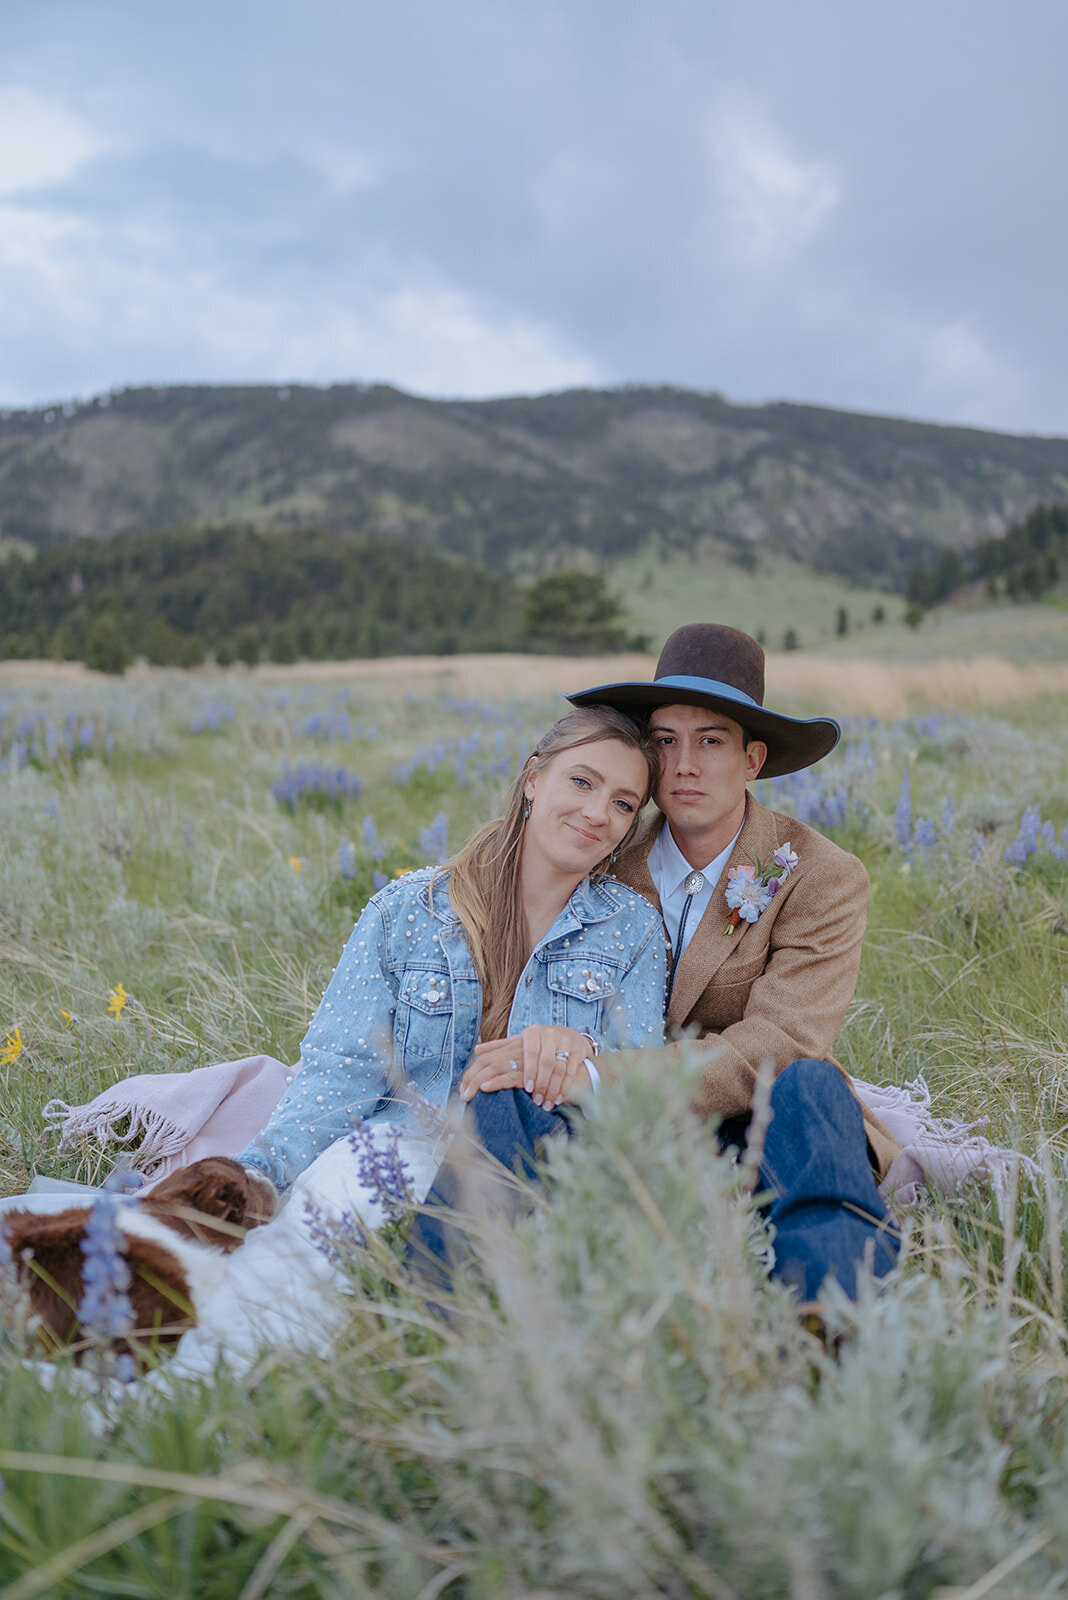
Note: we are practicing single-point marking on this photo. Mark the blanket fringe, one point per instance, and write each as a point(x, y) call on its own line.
point(159, 1137)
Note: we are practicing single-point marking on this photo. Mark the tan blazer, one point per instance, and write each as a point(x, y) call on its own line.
point(775, 989)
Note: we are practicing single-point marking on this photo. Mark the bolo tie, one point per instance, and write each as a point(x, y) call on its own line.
point(693, 885)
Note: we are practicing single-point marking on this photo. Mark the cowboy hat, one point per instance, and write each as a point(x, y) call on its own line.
point(708, 664)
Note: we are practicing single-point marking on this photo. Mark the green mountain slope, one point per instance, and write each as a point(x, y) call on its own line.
point(524, 484)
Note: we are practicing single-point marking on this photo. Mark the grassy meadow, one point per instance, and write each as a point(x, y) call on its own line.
point(623, 1406)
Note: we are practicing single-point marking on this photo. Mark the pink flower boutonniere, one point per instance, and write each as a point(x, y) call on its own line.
point(750, 889)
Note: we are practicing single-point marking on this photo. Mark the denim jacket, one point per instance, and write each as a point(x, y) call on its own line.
point(401, 1015)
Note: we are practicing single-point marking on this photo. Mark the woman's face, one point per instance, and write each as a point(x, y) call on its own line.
point(582, 802)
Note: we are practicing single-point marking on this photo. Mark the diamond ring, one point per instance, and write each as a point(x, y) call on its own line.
point(563, 1055)
point(514, 1065)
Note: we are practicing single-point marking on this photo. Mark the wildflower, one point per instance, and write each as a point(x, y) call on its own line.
point(68, 1018)
point(383, 1169)
point(346, 859)
point(11, 1048)
point(117, 1000)
point(750, 889)
point(785, 858)
point(105, 1311)
point(380, 880)
point(926, 834)
point(747, 895)
point(402, 872)
point(296, 863)
point(434, 841)
point(903, 815)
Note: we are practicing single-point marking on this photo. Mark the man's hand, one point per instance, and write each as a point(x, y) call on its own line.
point(545, 1061)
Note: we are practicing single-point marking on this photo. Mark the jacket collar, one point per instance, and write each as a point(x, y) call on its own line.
point(589, 902)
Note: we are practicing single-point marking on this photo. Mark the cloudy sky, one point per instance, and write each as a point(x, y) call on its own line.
point(817, 200)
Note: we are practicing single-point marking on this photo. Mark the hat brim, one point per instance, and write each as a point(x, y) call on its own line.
point(793, 742)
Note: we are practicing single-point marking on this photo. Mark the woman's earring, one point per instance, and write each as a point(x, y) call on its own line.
point(612, 858)
point(526, 811)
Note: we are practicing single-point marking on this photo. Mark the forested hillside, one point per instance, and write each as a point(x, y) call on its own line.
point(243, 592)
point(526, 484)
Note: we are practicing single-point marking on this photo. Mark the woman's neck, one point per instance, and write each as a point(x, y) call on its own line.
point(542, 898)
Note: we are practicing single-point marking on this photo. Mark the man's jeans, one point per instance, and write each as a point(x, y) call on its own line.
point(819, 1190)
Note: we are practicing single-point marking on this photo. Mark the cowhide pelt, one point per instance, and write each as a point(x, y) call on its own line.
point(176, 1241)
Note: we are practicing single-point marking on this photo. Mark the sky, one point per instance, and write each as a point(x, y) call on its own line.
point(862, 206)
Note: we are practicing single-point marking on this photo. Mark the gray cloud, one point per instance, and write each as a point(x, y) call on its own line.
point(852, 205)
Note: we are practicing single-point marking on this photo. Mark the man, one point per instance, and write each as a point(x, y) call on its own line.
point(766, 919)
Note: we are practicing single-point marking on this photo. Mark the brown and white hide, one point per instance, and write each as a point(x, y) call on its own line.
point(176, 1241)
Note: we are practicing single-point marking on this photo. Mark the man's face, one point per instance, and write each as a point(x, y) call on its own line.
point(704, 768)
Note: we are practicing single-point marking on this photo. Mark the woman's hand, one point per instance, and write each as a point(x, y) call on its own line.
point(549, 1061)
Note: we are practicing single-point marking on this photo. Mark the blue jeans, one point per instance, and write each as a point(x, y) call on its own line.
point(817, 1182)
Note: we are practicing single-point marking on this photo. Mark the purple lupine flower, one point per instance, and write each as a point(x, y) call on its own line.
point(383, 1169)
point(925, 834)
point(1026, 841)
point(434, 841)
point(380, 880)
point(334, 1236)
point(346, 859)
point(903, 815)
point(105, 1311)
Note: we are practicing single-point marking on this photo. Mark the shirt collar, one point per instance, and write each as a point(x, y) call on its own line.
point(670, 869)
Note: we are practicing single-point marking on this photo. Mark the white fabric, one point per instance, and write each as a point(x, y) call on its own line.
point(670, 869)
point(280, 1288)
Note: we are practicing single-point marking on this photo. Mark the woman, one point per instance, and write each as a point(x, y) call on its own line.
point(522, 941)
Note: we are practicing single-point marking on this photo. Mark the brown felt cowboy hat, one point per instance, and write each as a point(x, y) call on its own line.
point(708, 664)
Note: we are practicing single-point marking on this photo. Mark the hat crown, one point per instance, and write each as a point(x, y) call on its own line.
point(712, 650)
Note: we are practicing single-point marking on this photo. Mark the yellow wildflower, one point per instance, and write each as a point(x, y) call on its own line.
point(11, 1048)
point(296, 863)
point(116, 1000)
point(402, 872)
point(68, 1018)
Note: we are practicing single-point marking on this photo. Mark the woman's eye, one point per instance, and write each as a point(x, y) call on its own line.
point(583, 783)
point(625, 805)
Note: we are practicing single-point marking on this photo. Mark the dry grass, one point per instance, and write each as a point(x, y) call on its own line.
point(843, 687)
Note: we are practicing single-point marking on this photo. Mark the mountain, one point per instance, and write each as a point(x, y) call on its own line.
point(523, 485)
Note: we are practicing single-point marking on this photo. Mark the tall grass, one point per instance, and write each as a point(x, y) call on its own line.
point(621, 1404)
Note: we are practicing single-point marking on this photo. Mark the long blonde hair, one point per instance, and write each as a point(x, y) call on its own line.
point(484, 881)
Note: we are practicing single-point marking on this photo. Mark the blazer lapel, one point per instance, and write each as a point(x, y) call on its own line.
point(710, 945)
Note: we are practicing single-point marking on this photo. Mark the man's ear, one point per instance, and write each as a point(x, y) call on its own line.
point(756, 753)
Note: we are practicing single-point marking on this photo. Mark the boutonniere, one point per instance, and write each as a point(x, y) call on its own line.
point(750, 889)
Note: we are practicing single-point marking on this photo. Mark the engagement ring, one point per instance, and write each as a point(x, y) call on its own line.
point(514, 1065)
point(563, 1055)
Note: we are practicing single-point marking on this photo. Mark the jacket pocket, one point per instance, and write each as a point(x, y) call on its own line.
point(423, 1028)
point(582, 990)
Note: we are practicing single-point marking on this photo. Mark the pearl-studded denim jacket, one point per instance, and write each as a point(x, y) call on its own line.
point(401, 1014)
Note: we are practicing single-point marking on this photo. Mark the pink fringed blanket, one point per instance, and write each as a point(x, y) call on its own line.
point(170, 1119)
point(938, 1152)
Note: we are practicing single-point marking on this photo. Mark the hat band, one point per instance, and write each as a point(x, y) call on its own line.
point(708, 686)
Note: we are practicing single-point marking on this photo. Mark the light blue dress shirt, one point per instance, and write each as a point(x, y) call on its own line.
point(669, 870)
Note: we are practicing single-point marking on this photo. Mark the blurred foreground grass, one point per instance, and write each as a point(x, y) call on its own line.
point(624, 1407)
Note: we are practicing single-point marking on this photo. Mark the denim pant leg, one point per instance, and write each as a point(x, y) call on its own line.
point(508, 1127)
point(827, 1213)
